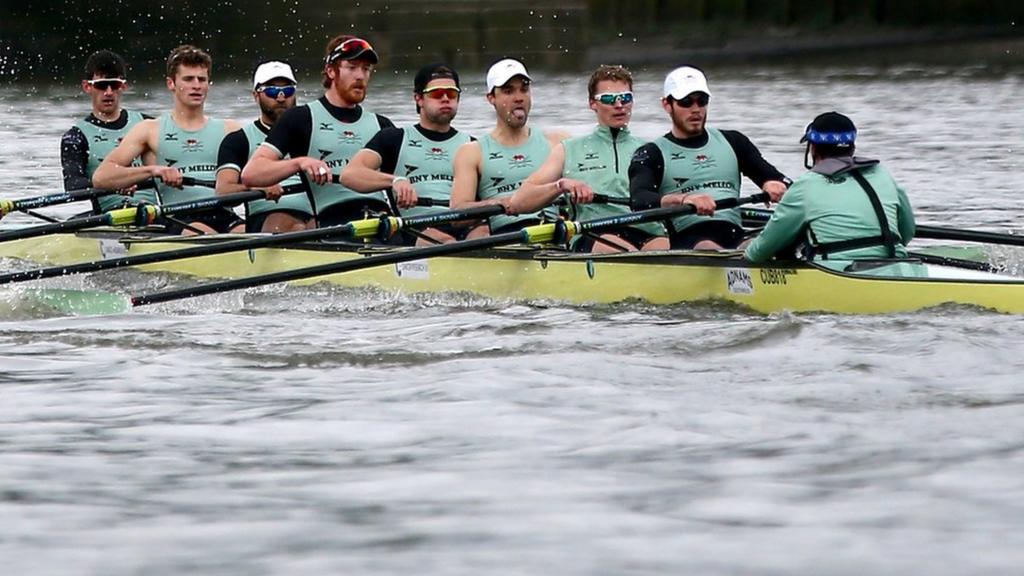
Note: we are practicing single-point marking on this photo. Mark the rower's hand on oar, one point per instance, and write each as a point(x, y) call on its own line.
point(273, 193)
point(578, 192)
point(775, 189)
point(405, 194)
point(704, 203)
point(129, 191)
point(317, 170)
point(169, 175)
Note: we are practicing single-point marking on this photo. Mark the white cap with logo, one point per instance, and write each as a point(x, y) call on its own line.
point(684, 81)
point(270, 70)
point(504, 70)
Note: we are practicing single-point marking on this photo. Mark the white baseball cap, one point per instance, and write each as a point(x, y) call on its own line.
point(503, 71)
point(270, 70)
point(684, 81)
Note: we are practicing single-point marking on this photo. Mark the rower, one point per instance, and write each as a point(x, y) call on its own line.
point(84, 145)
point(316, 140)
point(597, 161)
point(416, 162)
point(182, 143)
point(273, 90)
point(694, 164)
point(490, 170)
point(845, 208)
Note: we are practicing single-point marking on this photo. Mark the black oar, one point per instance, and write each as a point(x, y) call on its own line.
point(538, 234)
point(141, 215)
point(382, 228)
point(27, 204)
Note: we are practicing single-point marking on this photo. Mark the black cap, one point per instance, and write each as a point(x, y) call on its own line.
point(353, 49)
point(433, 72)
point(831, 129)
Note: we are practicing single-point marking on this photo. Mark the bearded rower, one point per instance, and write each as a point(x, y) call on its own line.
point(490, 170)
point(417, 161)
point(273, 89)
point(84, 146)
point(694, 164)
point(182, 143)
point(316, 140)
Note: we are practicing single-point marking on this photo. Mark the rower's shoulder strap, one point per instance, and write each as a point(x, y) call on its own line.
point(887, 237)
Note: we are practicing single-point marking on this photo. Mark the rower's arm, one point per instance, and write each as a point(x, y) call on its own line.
point(905, 217)
point(466, 178)
point(782, 229)
point(116, 171)
point(363, 174)
point(231, 157)
point(646, 169)
point(267, 167)
point(74, 158)
point(541, 188)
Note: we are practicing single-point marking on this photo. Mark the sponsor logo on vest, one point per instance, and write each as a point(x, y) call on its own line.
point(518, 160)
point(494, 155)
point(100, 138)
point(171, 162)
point(415, 144)
point(326, 127)
point(170, 137)
point(496, 181)
point(678, 156)
point(193, 145)
point(703, 161)
point(349, 136)
point(581, 167)
point(409, 169)
point(680, 181)
point(436, 153)
point(591, 156)
point(430, 178)
point(324, 153)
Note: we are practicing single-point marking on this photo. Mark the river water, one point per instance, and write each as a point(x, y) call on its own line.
point(323, 430)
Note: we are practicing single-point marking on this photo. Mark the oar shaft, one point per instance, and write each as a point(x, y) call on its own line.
point(941, 233)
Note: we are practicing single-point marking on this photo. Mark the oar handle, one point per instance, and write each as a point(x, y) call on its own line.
point(190, 181)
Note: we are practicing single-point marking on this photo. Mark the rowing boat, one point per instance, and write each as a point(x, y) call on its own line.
point(539, 273)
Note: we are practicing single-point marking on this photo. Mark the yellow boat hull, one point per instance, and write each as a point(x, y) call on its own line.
point(529, 274)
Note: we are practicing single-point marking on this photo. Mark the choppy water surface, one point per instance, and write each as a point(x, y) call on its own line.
point(320, 430)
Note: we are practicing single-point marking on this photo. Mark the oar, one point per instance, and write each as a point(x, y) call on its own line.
point(141, 215)
point(26, 204)
point(382, 228)
point(538, 234)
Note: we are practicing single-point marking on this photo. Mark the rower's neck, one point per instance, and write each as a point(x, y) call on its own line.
point(507, 136)
point(189, 118)
point(336, 100)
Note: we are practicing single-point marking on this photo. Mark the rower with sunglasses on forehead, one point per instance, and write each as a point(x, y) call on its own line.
point(597, 162)
point(317, 140)
point(84, 146)
point(694, 164)
point(181, 143)
point(273, 89)
point(491, 169)
point(847, 213)
point(417, 161)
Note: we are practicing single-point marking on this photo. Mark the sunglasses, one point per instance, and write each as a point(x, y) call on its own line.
point(441, 91)
point(274, 91)
point(610, 98)
point(350, 49)
point(701, 99)
point(102, 84)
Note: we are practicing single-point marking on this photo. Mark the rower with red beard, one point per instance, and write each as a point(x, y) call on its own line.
point(274, 88)
point(490, 170)
point(416, 162)
point(317, 140)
